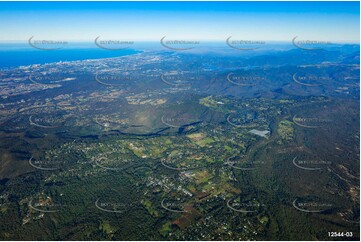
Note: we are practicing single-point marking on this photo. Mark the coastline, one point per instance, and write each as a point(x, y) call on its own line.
point(65, 57)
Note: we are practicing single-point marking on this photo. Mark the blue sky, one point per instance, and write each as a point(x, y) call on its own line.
point(83, 21)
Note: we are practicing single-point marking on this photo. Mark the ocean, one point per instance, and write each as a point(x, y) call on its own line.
point(15, 55)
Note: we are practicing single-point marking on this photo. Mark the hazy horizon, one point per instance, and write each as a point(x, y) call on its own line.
point(146, 21)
